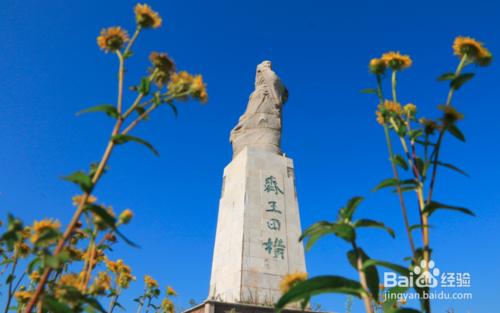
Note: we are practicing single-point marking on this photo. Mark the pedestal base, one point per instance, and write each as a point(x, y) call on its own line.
point(211, 306)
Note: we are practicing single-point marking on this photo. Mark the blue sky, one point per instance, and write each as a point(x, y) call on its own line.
point(51, 68)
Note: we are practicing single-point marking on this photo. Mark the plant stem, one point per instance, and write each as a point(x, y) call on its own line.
point(131, 42)
point(393, 80)
point(112, 304)
point(362, 280)
point(459, 69)
point(11, 278)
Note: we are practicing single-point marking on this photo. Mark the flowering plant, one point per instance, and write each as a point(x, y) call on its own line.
point(414, 171)
point(67, 269)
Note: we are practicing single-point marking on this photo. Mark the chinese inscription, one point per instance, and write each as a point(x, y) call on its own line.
point(274, 246)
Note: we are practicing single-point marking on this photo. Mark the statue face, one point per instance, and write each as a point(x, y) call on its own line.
point(264, 65)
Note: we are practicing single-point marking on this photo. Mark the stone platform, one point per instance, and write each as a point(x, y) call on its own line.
point(212, 306)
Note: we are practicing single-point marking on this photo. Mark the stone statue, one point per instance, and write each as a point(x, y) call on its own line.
point(260, 125)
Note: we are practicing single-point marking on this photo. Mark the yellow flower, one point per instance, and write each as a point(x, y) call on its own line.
point(78, 199)
point(34, 276)
point(377, 66)
point(125, 216)
point(150, 282)
point(476, 51)
point(396, 61)
point(112, 39)
point(199, 89)
point(171, 291)
point(43, 226)
point(451, 115)
point(23, 296)
point(291, 280)
point(164, 66)
point(123, 273)
point(146, 17)
point(410, 110)
point(22, 249)
point(167, 306)
point(380, 118)
point(102, 283)
point(67, 280)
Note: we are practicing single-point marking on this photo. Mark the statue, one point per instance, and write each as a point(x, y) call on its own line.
point(260, 125)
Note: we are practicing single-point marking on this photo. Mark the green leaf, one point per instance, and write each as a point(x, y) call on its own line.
point(320, 229)
point(128, 54)
point(457, 82)
point(371, 272)
point(434, 206)
point(415, 133)
point(145, 86)
point(174, 109)
point(446, 76)
point(369, 91)
point(109, 109)
point(52, 305)
point(400, 161)
point(420, 165)
point(453, 167)
point(389, 182)
point(320, 285)
point(395, 267)
point(80, 178)
point(94, 303)
point(419, 226)
point(121, 139)
point(350, 208)
point(109, 220)
point(375, 224)
point(455, 131)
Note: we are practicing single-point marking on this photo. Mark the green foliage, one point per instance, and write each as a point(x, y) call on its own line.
point(109, 109)
point(122, 139)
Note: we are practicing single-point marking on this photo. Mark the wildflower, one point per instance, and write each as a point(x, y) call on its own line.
point(410, 110)
point(171, 291)
point(164, 66)
point(61, 290)
point(377, 66)
point(22, 249)
point(429, 125)
point(167, 306)
point(180, 83)
point(199, 89)
point(380, 118)
point(102, 283)
point(112, 39)
point(451, 115)
point(78, 199)
point(123, 273)
point(146, 17)
point(396, 61)
point(74, 253)
point(23, 296)
point(43, 227)
point(291, 280)
point(34, 276)
point(150, 282)
point(125, 216)
point(475, 50)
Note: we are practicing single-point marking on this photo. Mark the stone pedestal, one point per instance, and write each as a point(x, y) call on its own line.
point(257, 230)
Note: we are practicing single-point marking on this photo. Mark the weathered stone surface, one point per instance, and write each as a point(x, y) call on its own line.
point(258, 229)
point(260, 125)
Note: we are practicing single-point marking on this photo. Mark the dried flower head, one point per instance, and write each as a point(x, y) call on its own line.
point(377, 66)
point(430, 126)
point(112, 39)
point(475, 51)
point(291, 280)
point(451, 115)
point(146, 17)
point(164, 66)
point(396, 61)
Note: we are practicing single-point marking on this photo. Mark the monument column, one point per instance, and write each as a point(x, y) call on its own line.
point(258, 228)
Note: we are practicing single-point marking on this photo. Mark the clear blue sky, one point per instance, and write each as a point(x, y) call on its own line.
point(51, 67)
